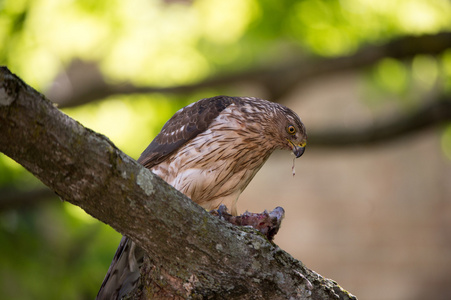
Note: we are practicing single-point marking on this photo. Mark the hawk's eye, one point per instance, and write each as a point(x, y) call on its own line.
point(291, 129)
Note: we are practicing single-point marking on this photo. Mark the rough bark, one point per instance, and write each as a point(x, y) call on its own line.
point(190, 253)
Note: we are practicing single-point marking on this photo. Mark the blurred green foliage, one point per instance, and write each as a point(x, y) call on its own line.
point(55, 251)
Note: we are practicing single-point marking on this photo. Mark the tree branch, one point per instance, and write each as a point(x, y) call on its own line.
point(83, 82)
point(190, 253)
point(433, 114)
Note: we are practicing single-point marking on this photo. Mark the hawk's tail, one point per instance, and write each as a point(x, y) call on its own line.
point(124, 271)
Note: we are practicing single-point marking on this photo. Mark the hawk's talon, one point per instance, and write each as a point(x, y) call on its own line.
point(222, 209)
point(267, 223)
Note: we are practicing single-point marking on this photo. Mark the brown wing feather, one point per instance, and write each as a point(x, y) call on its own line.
point(185, 125)
point(123, 272)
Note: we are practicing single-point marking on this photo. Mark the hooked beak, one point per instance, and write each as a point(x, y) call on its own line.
point(298, 150)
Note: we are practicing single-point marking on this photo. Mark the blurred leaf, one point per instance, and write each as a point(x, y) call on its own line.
point(425, 71)
point(391, 75)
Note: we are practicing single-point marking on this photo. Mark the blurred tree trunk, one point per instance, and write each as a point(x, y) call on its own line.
point(190, 253)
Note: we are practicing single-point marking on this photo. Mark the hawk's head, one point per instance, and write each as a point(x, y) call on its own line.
point(296, 135)
point(287, 130)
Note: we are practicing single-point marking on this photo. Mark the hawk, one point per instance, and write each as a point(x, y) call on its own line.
point(210, 151)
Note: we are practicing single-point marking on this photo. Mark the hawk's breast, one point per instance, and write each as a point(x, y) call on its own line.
point(217, 165)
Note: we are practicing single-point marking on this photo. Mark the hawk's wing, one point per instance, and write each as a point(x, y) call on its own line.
point(185, 125)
